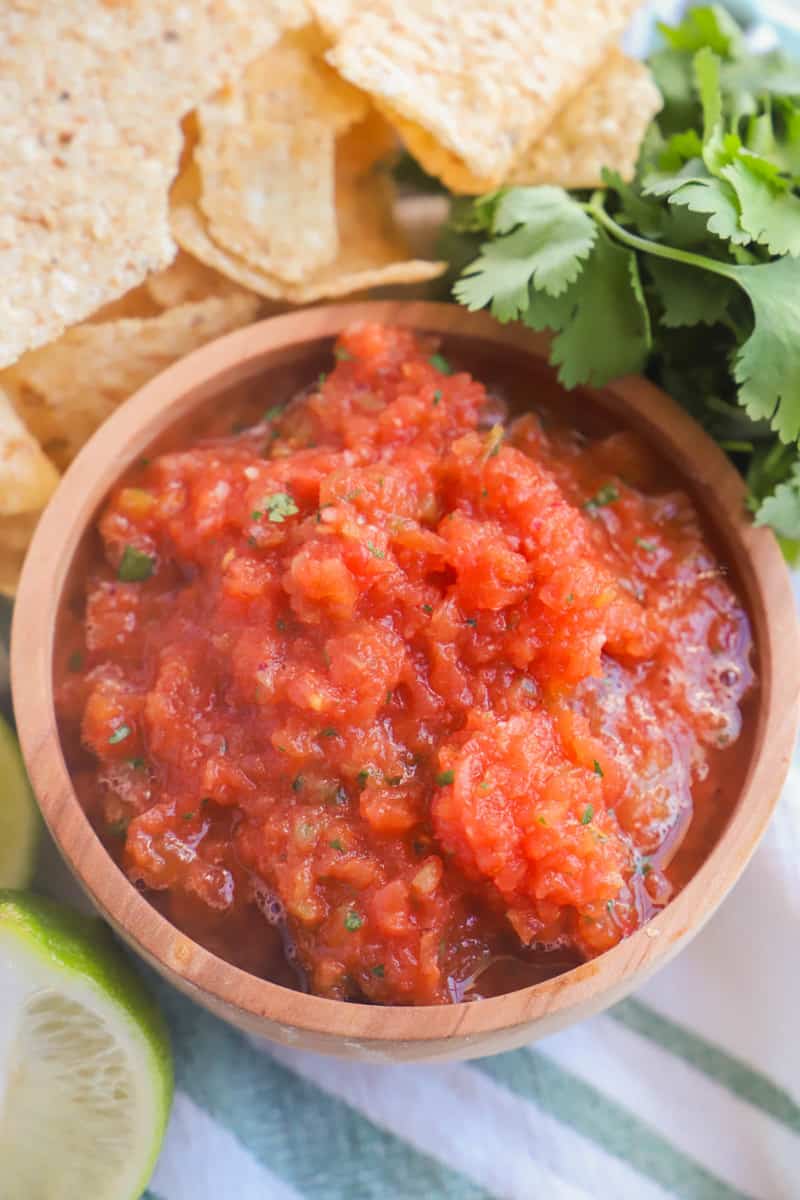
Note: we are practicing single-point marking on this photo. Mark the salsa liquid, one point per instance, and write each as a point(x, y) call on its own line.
point(387, 695)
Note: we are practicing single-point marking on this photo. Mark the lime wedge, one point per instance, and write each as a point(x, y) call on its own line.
point(20, 824)
point(85, 1067)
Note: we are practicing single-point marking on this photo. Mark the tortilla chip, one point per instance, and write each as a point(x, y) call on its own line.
point(137, 303)
point(333, 15)
point(15, 535)
point(484, 80)
point(266, 158)
point(368, 143)
point(65, 390)
point(185, 281)
point(372, 251)
point(92, 97)
point(436, 160)
point(269, 196)
point(289, 82)
point(27, 477)
point(602, 126)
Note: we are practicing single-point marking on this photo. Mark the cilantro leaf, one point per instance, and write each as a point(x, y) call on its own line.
point(553, 236)
point(672, 71)
point(644, 212)
point(716, 198)
point(277, 507)
point(772, 74)
point(781, 510)
point(707, 25)
point(683, 301)
point(609, 334)
point(768, 365)
point(550, 312)
point(771, 465)
point(769, 213)
point(706, 66)
point(671, 175)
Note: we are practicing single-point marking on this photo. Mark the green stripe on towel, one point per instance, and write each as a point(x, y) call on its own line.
point(313, 1141)
point(733, 1073)
point(608, 1124)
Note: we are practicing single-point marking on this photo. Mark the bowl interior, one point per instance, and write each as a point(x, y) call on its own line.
point(523, 381)
point(241, 374)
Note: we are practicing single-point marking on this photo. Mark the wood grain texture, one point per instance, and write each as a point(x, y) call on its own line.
point(362, 1031)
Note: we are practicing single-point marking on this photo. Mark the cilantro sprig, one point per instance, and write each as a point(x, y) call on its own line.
point(691, 272)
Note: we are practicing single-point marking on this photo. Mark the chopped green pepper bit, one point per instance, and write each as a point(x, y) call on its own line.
point(588, 813)
point(353, 921)
point(445, 777)
point(135, 566)
point(119, 735)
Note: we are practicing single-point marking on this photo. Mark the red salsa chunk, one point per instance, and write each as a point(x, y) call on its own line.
point(385, 689)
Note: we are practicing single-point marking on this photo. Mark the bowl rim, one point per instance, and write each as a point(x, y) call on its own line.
point(160, 404)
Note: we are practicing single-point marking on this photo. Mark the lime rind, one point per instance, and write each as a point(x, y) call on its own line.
point(55, 952)
point(20, 823)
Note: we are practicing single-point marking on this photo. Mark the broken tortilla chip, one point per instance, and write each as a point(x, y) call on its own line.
point(290, 81)
point(372, 252)
point(483, 81)
point(92, 97)
point(65, 390)
point(27, 477)
point(187, 280)
point(266, 157)
point(136, 303)
point(269, 196)
point(602, 126)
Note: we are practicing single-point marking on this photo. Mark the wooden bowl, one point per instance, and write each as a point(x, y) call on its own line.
point(288, 347)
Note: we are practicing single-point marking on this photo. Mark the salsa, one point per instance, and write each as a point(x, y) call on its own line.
point(395, 696)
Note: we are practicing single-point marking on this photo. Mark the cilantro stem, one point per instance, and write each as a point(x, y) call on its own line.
point(596, 210)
